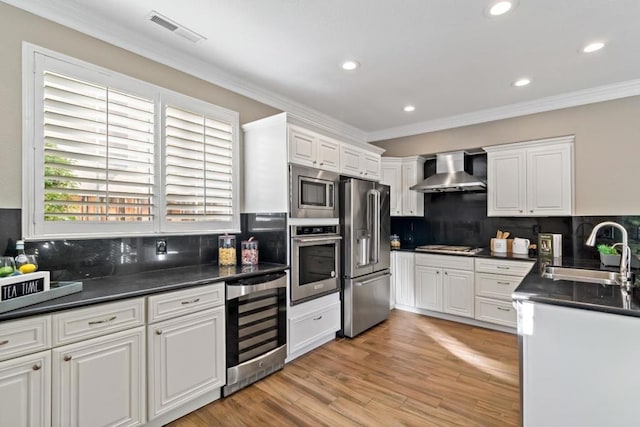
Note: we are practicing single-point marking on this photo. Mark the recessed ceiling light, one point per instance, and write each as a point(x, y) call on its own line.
point(498, 8)
point(592, 47)
point(522, 82)
point(350, 65)
point(409, 108)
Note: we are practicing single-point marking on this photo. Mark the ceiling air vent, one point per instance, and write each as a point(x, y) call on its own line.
point(174, 27)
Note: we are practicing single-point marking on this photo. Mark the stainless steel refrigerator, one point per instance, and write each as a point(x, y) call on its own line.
point(365, 228)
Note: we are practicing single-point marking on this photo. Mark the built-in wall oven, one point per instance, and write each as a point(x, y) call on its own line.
point(313, 193)
point(315, 261)
point(256, 333)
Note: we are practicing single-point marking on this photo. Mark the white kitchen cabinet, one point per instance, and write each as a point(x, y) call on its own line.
point(403, 278)
point(496, 280)
point(25, 391)
point(311, 324)
point(186, 359)
point(577, 366)
point(359, 163)
point(401, 174)
point(532, 178)
point(24, 336)
point(314, 150)
point(445, 284)
point(100, 381)
point(428, 288)
point(458, 296)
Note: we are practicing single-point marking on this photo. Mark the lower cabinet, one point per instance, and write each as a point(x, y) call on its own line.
point(445, 283)
point(25, 391)
point(403, 278)
point(101, 381)
point(186, 359)
point(312, 324)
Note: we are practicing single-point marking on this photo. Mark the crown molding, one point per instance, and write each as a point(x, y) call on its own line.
point(74, 18)
point(550, 103)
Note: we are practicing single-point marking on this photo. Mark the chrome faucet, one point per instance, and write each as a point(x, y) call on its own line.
point(625, 258)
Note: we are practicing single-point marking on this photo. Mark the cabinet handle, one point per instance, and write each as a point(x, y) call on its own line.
point(314, 162)
point(446, 273)
point(502, 267)
point(318, 318)
point(97, 322)
point(321, 164)
point(4, 342)
point(521, 211)
point(193, 301)
point(37, 366)
point(531, 211)
point(503, 283)
point(437, 272)
point(67, 357)
point(361, 173)
point(503, 309)
point(158, 331)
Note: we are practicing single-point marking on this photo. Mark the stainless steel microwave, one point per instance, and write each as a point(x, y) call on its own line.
point(313, 193)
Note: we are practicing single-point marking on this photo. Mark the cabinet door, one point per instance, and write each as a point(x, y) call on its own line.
point(391, 175)
point(549, 180)
point(458, 293)
point(506, 190)
point(186, 359)
point(302, 147)
point(328, 157)
point(428, 288)
point(100, 382)
point(25, 391)
point(371, 166)
point(412, 201)
point(404, 279)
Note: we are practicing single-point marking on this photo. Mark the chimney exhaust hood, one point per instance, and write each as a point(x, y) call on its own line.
point(450, 176)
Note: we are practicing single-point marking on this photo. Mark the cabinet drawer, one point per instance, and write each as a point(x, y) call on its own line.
point(172, 304)
point(493, 311)
point(497, 286)
point(24, 336)
point(75, 325)
point(445, 261)
point(511, 268)
point(306, 329)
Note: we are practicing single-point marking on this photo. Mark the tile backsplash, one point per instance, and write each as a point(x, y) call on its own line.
point(88, 258)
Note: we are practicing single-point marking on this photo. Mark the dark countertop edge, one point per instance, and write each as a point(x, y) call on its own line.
point(484, 253)
point(523, 296)
point(76, 300)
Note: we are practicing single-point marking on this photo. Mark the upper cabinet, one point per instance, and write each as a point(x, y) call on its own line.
point(532, 178)
point(359, 163)
point(313, 150)
point(401, 174)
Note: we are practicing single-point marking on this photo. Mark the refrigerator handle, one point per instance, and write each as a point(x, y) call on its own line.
point(375, 255)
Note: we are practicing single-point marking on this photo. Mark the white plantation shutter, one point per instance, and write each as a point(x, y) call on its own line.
point(98, 152)
point(199, 167)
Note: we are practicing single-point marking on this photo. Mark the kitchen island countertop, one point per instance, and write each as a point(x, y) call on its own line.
point(113, 288)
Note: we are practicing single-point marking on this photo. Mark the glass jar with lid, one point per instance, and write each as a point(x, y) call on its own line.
point(395, 241)
point(249, 252)
point(227, 250)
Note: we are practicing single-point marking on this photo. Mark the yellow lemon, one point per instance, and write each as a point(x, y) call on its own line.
point(27, 268)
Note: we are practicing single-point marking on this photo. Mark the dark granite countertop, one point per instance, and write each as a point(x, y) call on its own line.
point(484, 253)
point(589, 296)
point(114, 288)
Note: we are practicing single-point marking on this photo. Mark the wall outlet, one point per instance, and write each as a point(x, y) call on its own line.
point(161, 247)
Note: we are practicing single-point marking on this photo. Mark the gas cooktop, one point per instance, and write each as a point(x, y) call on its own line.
point(449, 249)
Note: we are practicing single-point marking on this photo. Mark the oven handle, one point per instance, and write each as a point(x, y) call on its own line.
point(238, 290)
point(317, 239)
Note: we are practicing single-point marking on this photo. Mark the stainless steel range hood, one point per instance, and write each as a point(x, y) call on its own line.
point(450, 176)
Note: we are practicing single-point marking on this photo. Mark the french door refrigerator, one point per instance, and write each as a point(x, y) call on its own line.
point(365, 228)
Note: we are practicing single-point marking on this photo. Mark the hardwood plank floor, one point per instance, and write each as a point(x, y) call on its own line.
point(411, 370)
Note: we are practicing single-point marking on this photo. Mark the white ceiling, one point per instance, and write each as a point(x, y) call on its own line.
point(446, 57)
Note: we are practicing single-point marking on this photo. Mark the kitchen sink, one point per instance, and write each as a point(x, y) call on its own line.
point(582, 275)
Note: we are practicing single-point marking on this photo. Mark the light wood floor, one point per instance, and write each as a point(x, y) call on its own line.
point(410, 370)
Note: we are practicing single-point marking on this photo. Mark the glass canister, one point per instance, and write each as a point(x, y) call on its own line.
point(227, 250)
point(249, 252)
point(395, 241)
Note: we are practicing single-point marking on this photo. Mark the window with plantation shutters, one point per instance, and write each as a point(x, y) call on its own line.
point(108, 155)
point(199, 167)
point(98, 152)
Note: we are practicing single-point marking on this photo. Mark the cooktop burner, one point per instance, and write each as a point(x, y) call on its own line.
point(462, 250)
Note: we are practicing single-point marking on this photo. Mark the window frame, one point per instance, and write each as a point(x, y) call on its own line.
point(35, 60)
